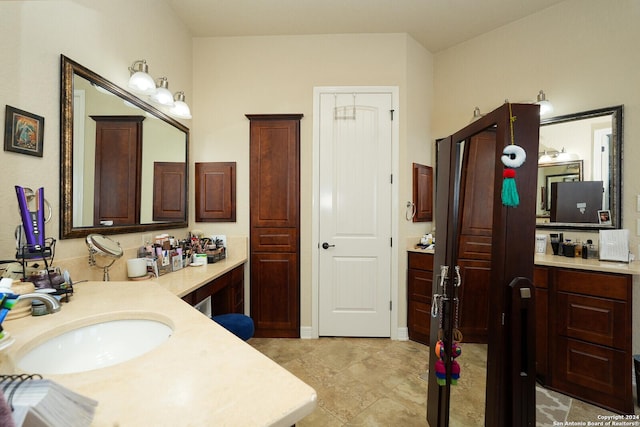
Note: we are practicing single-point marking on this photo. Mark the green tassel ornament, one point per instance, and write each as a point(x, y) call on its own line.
point(510, 195)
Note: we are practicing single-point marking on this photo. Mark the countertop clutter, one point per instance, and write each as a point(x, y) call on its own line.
point(570, 262)
point(202, 375)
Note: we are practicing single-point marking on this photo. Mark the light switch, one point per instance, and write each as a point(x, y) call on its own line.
point(638, 203)
point(637, 227)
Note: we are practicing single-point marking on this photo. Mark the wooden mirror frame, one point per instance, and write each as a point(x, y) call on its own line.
point(69, 69)
point(615, 161)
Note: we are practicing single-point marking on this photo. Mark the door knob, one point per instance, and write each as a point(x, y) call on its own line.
point(325, 245)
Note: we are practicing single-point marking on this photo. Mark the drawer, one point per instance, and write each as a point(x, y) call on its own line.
point(419, 285)
point(475, 247)
point(421, 261)
point(606, 285)
point(598, 320)
point(274, 240)
point(541, 277)
point(597, 374)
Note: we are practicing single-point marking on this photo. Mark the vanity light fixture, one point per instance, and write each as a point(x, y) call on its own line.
point(140, 81)
point(180, 108)
point(555, 156)
point(162, 95)
point(545, 106)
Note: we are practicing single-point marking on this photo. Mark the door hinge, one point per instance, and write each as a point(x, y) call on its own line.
point(391, 241)
point(390, 305)
point(392, 111)
point(391, 178)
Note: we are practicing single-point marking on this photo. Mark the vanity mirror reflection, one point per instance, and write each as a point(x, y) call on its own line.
point(124, 163)
point(581, 147)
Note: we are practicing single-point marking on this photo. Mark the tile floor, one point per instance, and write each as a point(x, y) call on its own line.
point(380, 382)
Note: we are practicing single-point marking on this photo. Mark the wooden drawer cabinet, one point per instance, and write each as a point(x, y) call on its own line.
point(419, 284)
point(590, 343)
point(226, 292)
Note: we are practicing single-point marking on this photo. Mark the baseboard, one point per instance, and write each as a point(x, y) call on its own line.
point(403, 334)
point(306, 332)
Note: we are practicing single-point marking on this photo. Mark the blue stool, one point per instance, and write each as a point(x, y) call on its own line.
point(238, 324)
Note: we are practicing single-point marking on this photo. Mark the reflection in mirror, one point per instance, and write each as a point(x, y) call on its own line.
point(111, 142)
point(586, 147)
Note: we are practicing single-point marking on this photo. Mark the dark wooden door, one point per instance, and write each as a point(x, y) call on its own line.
point(275, 224)
point(493, 246)
point(118, 164)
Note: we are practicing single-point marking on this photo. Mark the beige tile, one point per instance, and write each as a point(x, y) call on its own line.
point(380, 382)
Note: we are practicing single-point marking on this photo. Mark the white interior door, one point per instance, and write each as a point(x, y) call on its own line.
point(354, 284)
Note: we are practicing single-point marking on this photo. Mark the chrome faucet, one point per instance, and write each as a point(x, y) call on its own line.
point(49, 301)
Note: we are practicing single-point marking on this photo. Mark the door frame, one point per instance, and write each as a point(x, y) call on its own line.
point(314, 250)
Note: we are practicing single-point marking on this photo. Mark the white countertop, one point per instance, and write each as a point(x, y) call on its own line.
point(203, 375)
point(587, 264)
point(550, 260)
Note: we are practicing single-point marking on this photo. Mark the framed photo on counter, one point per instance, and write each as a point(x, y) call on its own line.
point(604, 217)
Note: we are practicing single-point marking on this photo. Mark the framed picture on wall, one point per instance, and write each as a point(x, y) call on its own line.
point(23, 132)
point(604, 217)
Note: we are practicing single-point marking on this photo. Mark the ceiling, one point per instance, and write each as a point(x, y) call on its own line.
point(436, 24)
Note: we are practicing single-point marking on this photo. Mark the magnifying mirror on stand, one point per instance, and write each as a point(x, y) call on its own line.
point(105, 247)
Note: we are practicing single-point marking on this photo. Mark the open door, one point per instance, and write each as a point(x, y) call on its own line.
point(482, 247)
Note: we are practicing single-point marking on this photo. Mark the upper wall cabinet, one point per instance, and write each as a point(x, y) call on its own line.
point(422, 193)
point(216, 192)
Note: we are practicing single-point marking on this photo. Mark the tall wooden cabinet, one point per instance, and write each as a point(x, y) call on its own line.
point(275, 224)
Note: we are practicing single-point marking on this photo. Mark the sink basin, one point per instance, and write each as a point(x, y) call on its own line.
point(95, 346)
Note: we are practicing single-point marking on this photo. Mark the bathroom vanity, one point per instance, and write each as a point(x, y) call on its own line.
point(202, 375)
point(584, 329)
point(583, 324)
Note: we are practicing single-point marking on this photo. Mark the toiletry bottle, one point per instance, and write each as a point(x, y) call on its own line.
point(585, 250)
point(578, 249)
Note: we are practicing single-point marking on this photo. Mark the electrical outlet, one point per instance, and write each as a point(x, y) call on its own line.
point(146, 238)
point(637, 227)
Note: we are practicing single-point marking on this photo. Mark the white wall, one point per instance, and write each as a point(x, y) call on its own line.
point(254, 75)
point(106, 37)
point(583, 53)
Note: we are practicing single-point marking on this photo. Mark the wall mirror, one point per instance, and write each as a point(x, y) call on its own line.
point(581, 147)
point(124, 163)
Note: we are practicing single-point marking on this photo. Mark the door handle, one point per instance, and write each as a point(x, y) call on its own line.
point(325, 245)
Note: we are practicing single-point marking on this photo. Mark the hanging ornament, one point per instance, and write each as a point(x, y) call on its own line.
point(513, 156)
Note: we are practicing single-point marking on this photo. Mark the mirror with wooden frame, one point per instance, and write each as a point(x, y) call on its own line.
point(124, 163)
point(581, 147)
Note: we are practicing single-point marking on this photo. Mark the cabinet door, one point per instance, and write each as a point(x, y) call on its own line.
point(169, 191)
point(540, 281)
point(216, 192)
point(422, 192)
point(118, 165)
point(275, 300)
point(474, 300)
